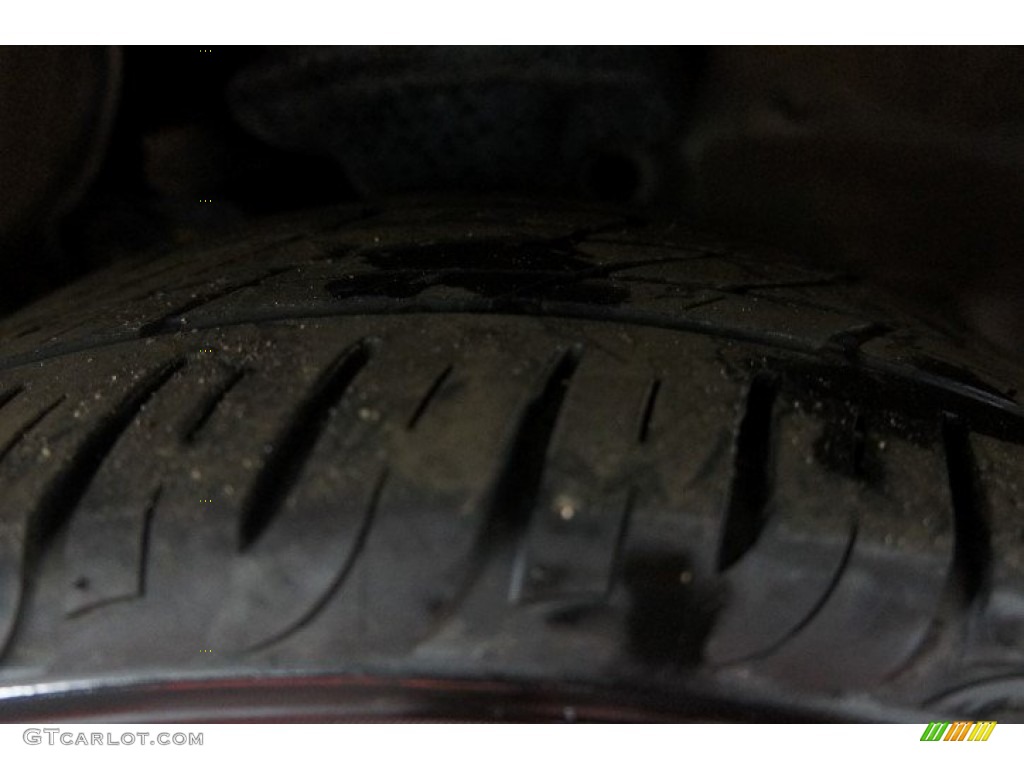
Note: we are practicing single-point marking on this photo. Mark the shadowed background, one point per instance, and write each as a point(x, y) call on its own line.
point(905, 165)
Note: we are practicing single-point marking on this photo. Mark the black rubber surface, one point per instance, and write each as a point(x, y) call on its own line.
point(563, 450)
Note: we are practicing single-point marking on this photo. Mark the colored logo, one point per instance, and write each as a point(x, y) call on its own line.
point(959, 731)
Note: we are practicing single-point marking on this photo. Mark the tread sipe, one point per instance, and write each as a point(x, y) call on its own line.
point(563, 458)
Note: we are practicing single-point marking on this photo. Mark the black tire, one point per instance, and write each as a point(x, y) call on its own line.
point(501, 464)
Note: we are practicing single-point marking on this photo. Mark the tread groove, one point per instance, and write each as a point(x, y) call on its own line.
point(970, 572)
point(191, 431)
point(10, 394)
point(518, 487)
point(815, 609)
point(27, 331)
point(972, 551)
point(435, 387)
point(751, 487)
point(62, 498)
point(290, 452)
point(147, 527)
point(369, 516)
point(648, 412)
point(83, 582)
point(29, 426)
point(619, 555)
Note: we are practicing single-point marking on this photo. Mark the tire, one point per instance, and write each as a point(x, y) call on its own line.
point(502, 463)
